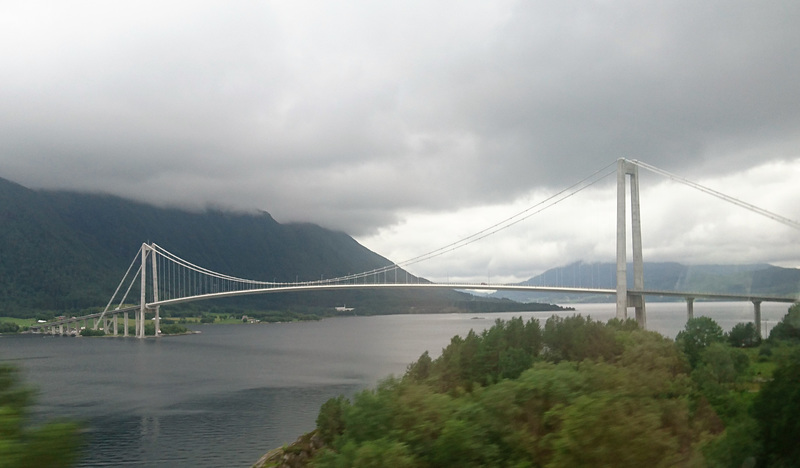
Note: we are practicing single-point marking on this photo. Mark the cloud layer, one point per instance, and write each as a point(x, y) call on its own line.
point(362, 116)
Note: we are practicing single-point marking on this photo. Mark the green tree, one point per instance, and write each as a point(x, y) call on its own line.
point(737, 447)
point(607, 430)
point(776, 409)
point(377, 453)
point(330, 423)
point(173, 329)
point(720, 374)
point(722, 364)
point(420, 370)
point(577, 338)
point(55, 444)
point(744, 335)
point(9, 327)
point(697, 335)
point(788, 329)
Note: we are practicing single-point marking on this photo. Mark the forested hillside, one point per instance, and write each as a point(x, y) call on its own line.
point(65, 252)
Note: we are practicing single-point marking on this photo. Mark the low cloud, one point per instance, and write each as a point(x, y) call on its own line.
point(362, 117)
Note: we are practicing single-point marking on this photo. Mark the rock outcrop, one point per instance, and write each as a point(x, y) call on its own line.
point(294, 455)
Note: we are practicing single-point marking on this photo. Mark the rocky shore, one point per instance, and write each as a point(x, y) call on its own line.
point(294, 455)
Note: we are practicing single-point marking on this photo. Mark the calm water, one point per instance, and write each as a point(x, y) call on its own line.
point(229, 394)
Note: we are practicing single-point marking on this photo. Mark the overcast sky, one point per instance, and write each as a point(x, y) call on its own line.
point(412, 124)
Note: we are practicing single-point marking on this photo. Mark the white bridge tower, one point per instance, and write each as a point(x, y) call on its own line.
point(627, 169)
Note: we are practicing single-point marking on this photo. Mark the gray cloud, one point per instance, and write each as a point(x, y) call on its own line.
point(350, 115)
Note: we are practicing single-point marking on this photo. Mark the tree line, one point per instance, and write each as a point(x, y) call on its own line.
point(578, 392)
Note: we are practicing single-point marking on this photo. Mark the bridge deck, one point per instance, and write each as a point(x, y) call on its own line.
point(297, 287)
point(477, 287)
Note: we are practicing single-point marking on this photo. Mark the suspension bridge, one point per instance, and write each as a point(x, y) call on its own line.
point(165, 279)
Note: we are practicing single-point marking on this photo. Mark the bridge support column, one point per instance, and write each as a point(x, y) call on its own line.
point(157, 318)
point(125, 324)
point(116, 324)
point(140, 316)
point(624, 299)
point(757, 317)
point(689, 308)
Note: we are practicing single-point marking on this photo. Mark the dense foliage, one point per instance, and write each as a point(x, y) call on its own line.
point(698, 334)
point(9, 327)
point(55, 444)
point(575, 392)
point(173, 329)
point(788, 329)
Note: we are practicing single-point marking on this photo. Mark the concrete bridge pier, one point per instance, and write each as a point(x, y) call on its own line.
point(157, 321)
point(125, 324)
point(138, 322)
point(637, 302)
point(757, 316)
point(141, 313)
point(689, 308)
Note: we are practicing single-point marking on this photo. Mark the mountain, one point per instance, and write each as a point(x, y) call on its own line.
point(66, 252)
point(736, 279)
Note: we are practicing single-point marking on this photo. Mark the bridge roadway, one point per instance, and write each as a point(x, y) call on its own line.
point(110, 318)
point(71, 325)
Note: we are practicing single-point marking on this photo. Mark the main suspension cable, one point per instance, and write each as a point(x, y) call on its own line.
point(755, 209)
point(516, 218)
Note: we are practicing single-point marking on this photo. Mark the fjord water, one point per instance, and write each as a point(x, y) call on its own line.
point(229, 394)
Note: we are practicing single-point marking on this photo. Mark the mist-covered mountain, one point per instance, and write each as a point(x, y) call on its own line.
point(736, 279)
point(66, 252)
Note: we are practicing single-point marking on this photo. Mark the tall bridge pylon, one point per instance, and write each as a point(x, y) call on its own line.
point(148, 251)
point(629, 170)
